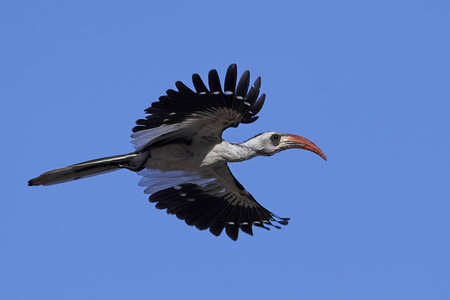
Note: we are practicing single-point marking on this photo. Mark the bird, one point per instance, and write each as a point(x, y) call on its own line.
point(183, 159)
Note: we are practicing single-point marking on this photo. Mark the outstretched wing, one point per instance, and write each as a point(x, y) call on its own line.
point(208, 198)
point(184, 113)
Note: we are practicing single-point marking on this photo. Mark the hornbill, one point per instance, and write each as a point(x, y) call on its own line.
point(183, 159)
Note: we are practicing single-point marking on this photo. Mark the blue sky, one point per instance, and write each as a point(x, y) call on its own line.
point(367, 81)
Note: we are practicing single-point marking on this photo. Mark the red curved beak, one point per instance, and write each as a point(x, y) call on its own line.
point(289, 141)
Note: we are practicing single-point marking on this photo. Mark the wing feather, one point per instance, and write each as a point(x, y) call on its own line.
point(200, 87)
point(243, 84)
point(190, 111)
point(214, 82)
point(254, 92)
point(208, 198)
point(230, 79)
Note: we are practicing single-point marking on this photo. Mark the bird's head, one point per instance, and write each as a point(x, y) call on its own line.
point(269, 143)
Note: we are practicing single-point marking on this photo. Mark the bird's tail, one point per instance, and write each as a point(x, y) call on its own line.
point(89, 168)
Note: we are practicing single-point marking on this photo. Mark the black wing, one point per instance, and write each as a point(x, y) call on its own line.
point(185, 113)
point(208, 198)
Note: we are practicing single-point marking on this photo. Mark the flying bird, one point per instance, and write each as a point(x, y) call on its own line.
point(180, 153)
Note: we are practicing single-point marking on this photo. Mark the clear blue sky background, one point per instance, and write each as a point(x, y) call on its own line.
point(367, 81)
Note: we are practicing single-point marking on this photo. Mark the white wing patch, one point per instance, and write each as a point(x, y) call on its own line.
point(206, 123)
point(143, 137)
point(156, 180)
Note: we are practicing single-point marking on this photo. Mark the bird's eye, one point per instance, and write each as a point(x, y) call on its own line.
point(275, 138)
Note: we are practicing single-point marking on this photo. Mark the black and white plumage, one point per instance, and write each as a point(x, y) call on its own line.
point(183, 159)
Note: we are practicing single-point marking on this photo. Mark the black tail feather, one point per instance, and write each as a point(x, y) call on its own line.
point(86, 169)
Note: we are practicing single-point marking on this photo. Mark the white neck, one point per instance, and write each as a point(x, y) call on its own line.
point(227, 152)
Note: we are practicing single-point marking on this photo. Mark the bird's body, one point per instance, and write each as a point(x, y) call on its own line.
point(175, 157)
point(183, 159)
